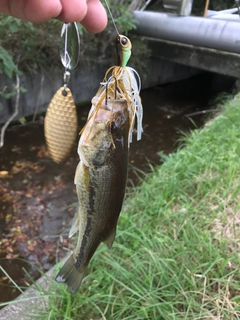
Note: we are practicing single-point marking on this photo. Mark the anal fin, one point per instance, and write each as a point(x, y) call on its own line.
point(110, 239)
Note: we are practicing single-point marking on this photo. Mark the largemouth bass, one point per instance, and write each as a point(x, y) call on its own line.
point(100, 180)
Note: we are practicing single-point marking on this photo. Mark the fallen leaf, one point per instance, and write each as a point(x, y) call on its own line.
point(31, 247)
point(9, 249)
point(3, 174)
point(8, 217)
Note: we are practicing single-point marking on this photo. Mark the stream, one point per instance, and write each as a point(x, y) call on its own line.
point(38, 197)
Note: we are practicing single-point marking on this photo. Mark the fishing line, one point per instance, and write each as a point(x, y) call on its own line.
point(110, 13)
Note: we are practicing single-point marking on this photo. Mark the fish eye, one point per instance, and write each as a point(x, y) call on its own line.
point(124, 41)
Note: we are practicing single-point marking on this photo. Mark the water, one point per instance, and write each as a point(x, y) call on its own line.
point(38, 197)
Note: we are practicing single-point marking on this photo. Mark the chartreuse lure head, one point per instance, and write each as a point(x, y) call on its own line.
point(123, 46)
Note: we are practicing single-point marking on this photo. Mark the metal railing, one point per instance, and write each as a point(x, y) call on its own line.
point(180, 7)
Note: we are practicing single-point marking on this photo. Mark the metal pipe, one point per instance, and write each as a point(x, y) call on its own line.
point(198, 31)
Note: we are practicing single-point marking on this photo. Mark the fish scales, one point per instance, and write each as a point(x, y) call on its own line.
point(100, 182)
point(101, 204)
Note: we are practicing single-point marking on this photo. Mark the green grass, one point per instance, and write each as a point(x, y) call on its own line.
point(176, 254)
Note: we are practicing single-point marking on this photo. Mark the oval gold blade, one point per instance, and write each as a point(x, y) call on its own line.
point(60, 124)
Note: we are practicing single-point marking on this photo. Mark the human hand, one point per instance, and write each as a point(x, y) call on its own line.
point(90, 13)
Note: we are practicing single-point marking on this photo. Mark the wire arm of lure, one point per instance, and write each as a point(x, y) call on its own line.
point(70, 45)
point(69, 50)
point(65, 57)
point(66, 79)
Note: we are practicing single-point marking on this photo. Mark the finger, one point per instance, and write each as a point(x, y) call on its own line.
point(73, 10)
point(96, 17)
point(91, 14)
point(34, 11)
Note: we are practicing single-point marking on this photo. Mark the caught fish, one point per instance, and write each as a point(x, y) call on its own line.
point(101, 174)
point(100, 180)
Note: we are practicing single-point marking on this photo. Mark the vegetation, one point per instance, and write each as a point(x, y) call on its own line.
point(176, 254)
point(28, 46)
point(25, 46)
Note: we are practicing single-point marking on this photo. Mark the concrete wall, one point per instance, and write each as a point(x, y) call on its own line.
point(84, 82)
point(42, 85)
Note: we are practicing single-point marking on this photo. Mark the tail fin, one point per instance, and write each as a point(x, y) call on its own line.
point(71, 275)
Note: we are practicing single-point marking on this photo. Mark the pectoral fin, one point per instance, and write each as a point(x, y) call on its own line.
point(76, 172)
point(75, 225)
point(110, 239)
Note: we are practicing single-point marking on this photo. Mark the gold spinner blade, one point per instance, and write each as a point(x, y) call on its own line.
point(60, 124)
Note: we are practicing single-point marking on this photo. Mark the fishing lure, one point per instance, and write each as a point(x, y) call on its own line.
point(60, 124)
point(122, 82)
